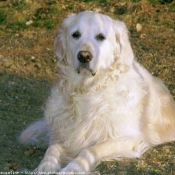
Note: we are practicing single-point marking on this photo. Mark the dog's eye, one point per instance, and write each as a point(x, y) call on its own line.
point(100, 37)
point(76, 35)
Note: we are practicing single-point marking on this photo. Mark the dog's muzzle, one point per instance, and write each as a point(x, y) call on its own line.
point(84, 58)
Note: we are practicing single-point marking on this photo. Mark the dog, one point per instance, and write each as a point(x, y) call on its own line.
point(105, 105)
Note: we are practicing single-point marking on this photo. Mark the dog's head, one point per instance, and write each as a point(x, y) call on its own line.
point(91, 42)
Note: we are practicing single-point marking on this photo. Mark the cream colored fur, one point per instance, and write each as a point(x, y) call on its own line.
point(111, 108)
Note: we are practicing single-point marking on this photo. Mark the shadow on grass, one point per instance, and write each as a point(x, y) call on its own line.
point(22, 101)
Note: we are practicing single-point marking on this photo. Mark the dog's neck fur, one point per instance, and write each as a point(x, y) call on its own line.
point(82, 83)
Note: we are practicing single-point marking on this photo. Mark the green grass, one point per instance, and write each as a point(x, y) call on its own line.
point(160, 1)
point(21, 102)
point(15, 14)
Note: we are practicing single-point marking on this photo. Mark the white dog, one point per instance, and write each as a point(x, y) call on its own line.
point(105, 105)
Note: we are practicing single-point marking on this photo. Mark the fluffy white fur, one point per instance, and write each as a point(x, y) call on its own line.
point(108, 108)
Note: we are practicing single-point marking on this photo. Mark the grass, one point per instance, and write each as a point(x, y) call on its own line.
point(28, 68)
point(19, 105)
point(15, 14)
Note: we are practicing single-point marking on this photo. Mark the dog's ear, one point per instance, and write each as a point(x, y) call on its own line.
point(60, 42)
point(125, 51)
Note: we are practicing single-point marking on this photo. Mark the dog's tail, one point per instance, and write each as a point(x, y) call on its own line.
point(36, 133)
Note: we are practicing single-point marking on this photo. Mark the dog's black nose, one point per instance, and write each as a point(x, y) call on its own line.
point(84, 56)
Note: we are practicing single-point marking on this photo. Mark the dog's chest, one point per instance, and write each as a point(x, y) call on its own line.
point(96, 116)
point(110, 102)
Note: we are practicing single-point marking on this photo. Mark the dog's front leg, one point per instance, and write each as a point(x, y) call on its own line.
point(111, 149)
point(51, 162)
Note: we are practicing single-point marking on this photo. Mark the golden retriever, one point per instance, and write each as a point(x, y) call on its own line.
point(105, 105)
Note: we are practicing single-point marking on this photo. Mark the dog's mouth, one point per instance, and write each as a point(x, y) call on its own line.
point(85, 68)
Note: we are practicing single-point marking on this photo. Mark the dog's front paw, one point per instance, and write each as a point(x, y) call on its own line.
point(47, 167)
point(73, 168)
